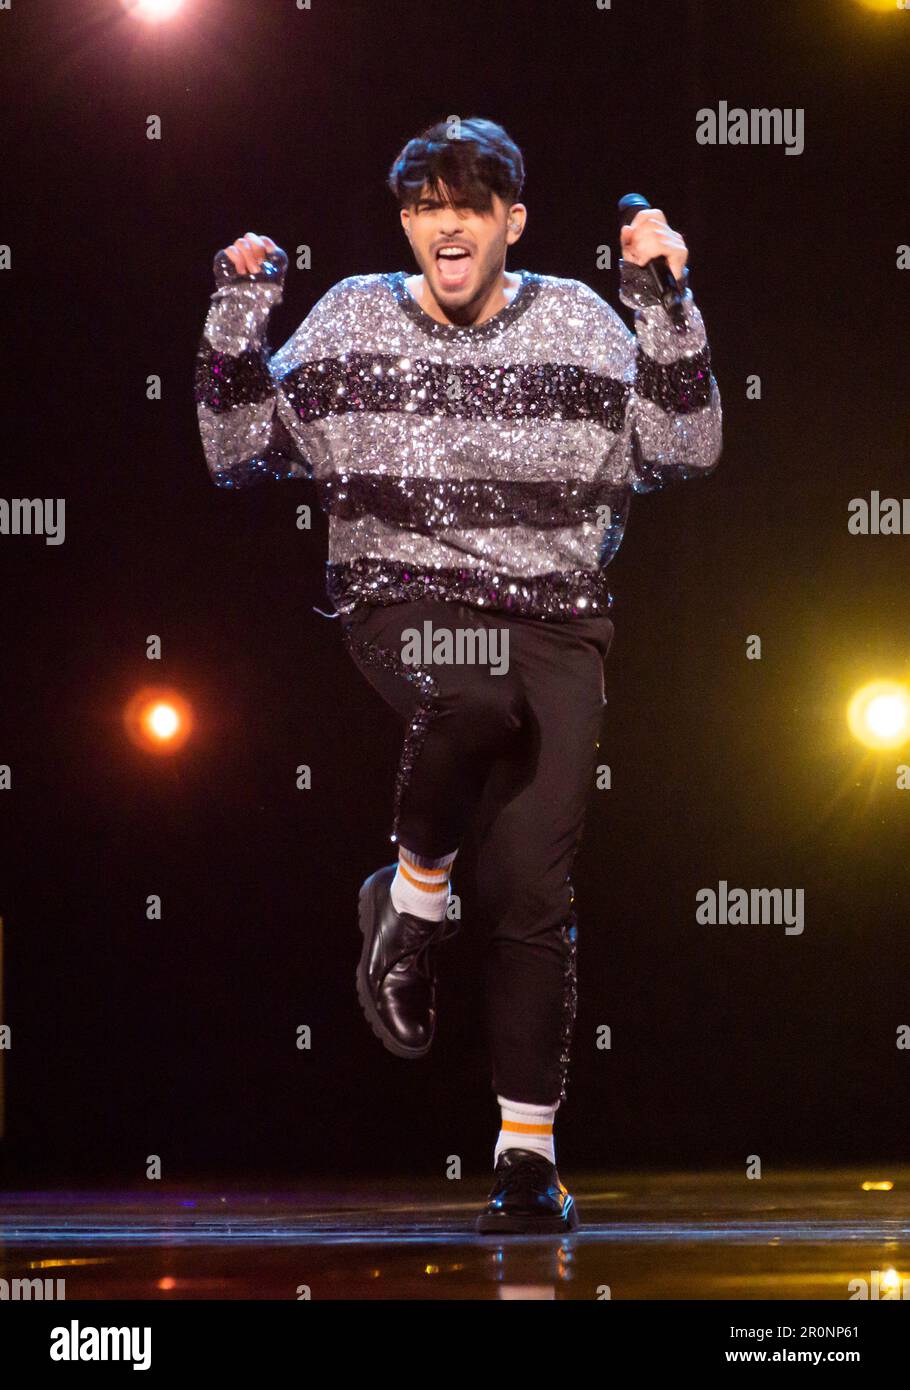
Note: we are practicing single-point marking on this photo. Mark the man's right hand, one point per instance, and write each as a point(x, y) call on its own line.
point(248, 252)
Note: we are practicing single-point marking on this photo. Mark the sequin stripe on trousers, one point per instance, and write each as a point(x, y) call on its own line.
point(569, 937)
point(422, 678)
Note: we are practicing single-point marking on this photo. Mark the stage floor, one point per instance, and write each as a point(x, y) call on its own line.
point(793, 1235)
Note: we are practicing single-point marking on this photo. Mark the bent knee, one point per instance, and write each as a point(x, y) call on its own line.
point(494, 705)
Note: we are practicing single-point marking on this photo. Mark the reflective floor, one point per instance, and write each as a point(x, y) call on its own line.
point(798, 1235)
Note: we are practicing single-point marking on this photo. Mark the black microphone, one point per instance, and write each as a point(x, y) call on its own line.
point(665, 283)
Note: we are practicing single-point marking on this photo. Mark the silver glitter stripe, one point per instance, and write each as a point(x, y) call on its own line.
point(239, 434)
point(674, 447)
point(517, 550)
point(238, 317)
point(434, 447)
point(659, 339)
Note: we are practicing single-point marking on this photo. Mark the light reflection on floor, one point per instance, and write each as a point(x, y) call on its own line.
point(795, 1235)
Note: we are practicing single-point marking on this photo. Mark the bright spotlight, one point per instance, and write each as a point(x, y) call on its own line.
point(883, 6)
point(154, 11)
point(163, 721)
point(879, 714)
point(158, 721)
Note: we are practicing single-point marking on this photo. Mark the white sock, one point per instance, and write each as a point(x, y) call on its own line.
point(421, 885)
point(525, 1126)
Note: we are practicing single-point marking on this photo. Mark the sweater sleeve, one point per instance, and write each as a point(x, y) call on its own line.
point(246, 420)
point(673, 412)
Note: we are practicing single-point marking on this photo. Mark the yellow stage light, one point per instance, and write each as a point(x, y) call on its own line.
point(879, 714)
point(882, 6)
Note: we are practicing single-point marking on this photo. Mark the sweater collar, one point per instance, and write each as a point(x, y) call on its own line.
point(526, 292)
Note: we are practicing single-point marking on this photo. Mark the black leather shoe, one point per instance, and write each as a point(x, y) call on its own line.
point(527, 1198)
point(396, 977)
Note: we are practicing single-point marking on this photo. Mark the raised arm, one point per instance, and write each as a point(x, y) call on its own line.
point(247, 423)
point(674, 410)
point(674, 413)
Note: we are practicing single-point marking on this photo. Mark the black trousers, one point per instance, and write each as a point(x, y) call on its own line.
point(512, 758)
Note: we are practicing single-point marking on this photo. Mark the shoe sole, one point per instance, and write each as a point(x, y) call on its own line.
point(366, 914)
point(488, 1223)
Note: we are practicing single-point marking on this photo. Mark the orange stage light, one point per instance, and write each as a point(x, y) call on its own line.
point(158, 720)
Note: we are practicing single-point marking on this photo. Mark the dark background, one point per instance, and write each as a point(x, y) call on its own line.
point(177, 1037)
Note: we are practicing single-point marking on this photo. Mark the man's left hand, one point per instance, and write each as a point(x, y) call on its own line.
point(648, 235)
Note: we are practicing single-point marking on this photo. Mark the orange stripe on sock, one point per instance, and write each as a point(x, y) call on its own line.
point(426, 887)
point(432, 873)
point(515, 1128)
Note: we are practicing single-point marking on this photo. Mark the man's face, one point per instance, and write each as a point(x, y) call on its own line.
point(460, 251)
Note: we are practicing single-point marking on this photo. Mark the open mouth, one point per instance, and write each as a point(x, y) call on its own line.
point(453, 263)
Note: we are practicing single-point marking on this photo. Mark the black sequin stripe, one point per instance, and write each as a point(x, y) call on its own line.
point(569, 942)
point(426, 709)
point(383, 382)
point(678, 387)
point(252, 471)
point(555, 597)
point(223, 381)
point(426, 504)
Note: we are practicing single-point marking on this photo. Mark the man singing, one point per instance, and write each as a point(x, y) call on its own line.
point(475, 435)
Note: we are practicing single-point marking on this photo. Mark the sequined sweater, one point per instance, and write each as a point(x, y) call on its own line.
point(492, 464)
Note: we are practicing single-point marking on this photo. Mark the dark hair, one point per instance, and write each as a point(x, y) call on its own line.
point(473, 159)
